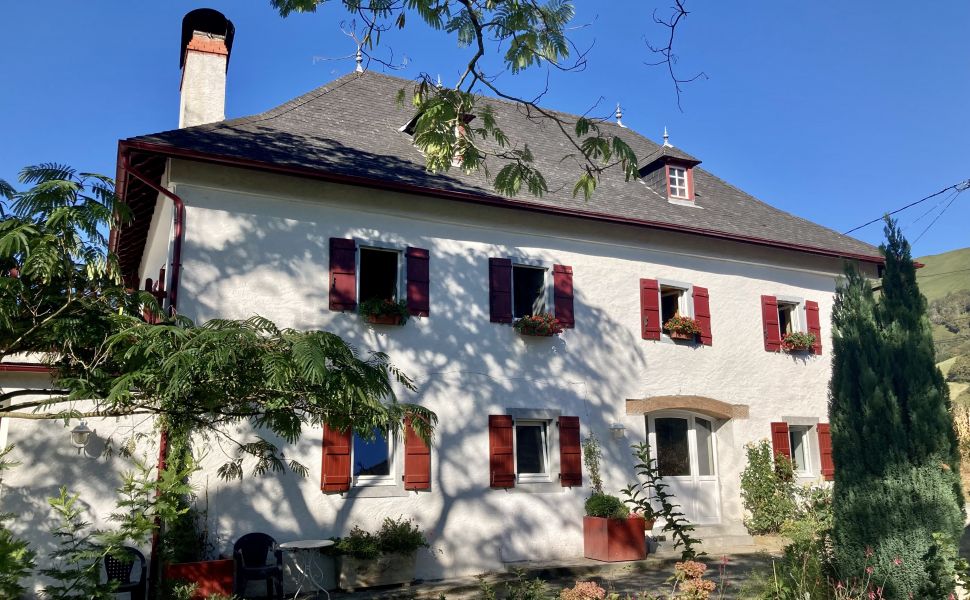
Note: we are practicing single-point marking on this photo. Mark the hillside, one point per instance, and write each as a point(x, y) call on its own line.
point(945, 281)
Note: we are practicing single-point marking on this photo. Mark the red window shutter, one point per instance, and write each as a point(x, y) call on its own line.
point(570, 453)
point(417, 460)
point(780, 440)
point(336, 459)
point(814, 324)
point(825, 451)
point(562, 280)
point(343, 274)
point(500, 290)
point(501, 461)
point(702, 312)
point(419, 303)
point(650, 309)
point(769, 320)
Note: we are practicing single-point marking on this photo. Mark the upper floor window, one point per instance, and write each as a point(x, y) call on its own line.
point(673, 302)
point(379, 274)
point(677, 180)
point(528, 290)
point(788, 317)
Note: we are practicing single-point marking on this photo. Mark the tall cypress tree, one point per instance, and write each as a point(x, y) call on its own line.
point(898, 504)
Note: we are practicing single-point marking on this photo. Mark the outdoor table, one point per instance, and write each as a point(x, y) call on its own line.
point(304, 549)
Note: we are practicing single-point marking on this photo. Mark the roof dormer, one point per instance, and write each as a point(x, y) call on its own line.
point(671, 172)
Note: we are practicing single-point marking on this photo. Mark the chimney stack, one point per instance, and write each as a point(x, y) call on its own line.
point(206, 43)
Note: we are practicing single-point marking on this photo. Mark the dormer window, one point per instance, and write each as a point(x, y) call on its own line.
point(677, 182)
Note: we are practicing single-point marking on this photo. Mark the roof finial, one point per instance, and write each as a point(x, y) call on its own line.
point(439, 81)
point(666, 138)
point(360, 61)
point(619, 115)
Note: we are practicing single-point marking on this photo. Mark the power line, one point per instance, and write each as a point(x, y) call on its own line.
point(961, 186)
point(937, 218)
point(921, 277)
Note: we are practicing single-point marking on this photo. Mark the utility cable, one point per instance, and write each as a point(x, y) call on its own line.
point(937, 218)
point(961, 186)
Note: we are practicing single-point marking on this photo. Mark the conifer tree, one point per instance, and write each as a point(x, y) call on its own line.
point(897, 499)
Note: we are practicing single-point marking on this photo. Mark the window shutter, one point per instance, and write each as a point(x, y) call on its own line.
point(417, 460)
point(702, 312)
point(562, 281)
point(814, 325)
point(769, 320)
point(650, 309)
point(570, 453)
point(343, 274)
point(336, 459)
point(501, 460)
point(500, 290)
point(418, 283)
point(825, 451)
point(780, 440)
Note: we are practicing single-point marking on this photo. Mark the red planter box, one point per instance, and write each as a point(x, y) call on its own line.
point(613, 540)
point(384, 319)
point(213, 576)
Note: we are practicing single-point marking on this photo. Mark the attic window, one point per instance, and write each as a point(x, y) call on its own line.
point(677, 177)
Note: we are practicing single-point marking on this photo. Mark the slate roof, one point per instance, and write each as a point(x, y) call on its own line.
point(352, 127)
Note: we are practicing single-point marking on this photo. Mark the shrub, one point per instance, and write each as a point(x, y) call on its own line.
point(767, 489)
point(396, 536)
point(592, 454)
point(606, 506)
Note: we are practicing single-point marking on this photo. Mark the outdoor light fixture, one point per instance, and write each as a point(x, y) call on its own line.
point(617, 430)
point(80, 435)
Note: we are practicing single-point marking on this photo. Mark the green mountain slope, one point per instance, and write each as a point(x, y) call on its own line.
point(945, 281)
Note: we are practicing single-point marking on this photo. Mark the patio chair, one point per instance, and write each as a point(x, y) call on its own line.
point(120, 570)
point(250, 553)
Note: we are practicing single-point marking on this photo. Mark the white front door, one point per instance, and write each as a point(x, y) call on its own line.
point(684, 446)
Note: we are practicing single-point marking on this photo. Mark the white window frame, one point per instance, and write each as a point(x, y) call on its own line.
point(392, 465)
point(670, 183)
point(532, 477)
point(685, 305)
point(400, 287)
point(798, 321)
point(806, 469)
point(548, 299)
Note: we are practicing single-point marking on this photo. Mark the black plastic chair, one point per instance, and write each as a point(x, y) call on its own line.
point(250, 553)
point(120, 570)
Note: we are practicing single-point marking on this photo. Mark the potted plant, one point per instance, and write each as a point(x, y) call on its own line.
point(610, 532)
point(380, 311)
point(682, 328)
point(797, 341)
point(542, 324)
point(387, 557)
point(186, 546)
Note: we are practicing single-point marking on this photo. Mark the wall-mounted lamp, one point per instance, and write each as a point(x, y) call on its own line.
point(618, 431)
point(80, 435)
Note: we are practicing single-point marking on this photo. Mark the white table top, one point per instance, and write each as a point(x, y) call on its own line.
point(306, 544)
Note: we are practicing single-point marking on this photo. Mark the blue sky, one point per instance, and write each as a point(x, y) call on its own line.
point(836, 112)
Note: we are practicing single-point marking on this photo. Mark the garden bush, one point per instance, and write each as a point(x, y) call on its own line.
point(396, 536)
point(767, 489)
point(960, 370)
point(606, 506)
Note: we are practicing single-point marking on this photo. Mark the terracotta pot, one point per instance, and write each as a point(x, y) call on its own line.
point(613, 540)
point(212, 576)
point(384, 319)
point(677, 335)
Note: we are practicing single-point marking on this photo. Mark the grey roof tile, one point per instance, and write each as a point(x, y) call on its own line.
point(351, 127)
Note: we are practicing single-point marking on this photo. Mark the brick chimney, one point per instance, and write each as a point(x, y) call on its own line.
point(206, 43)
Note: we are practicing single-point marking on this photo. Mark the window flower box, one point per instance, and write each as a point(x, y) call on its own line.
point(798, 341)
point(379, 311)
point(682, 328)
point(541, 325)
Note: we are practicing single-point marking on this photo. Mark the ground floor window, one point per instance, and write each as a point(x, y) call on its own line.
point(532, 450)
point(373, 458)
point(801, 455)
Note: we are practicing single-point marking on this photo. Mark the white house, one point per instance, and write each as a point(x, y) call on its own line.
point(301, 212)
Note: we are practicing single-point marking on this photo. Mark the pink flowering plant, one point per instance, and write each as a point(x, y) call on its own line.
point(684, 325)
point(797, 340)
point(542, 324)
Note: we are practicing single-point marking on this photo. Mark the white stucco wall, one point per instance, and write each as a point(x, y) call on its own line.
point(258, 244)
